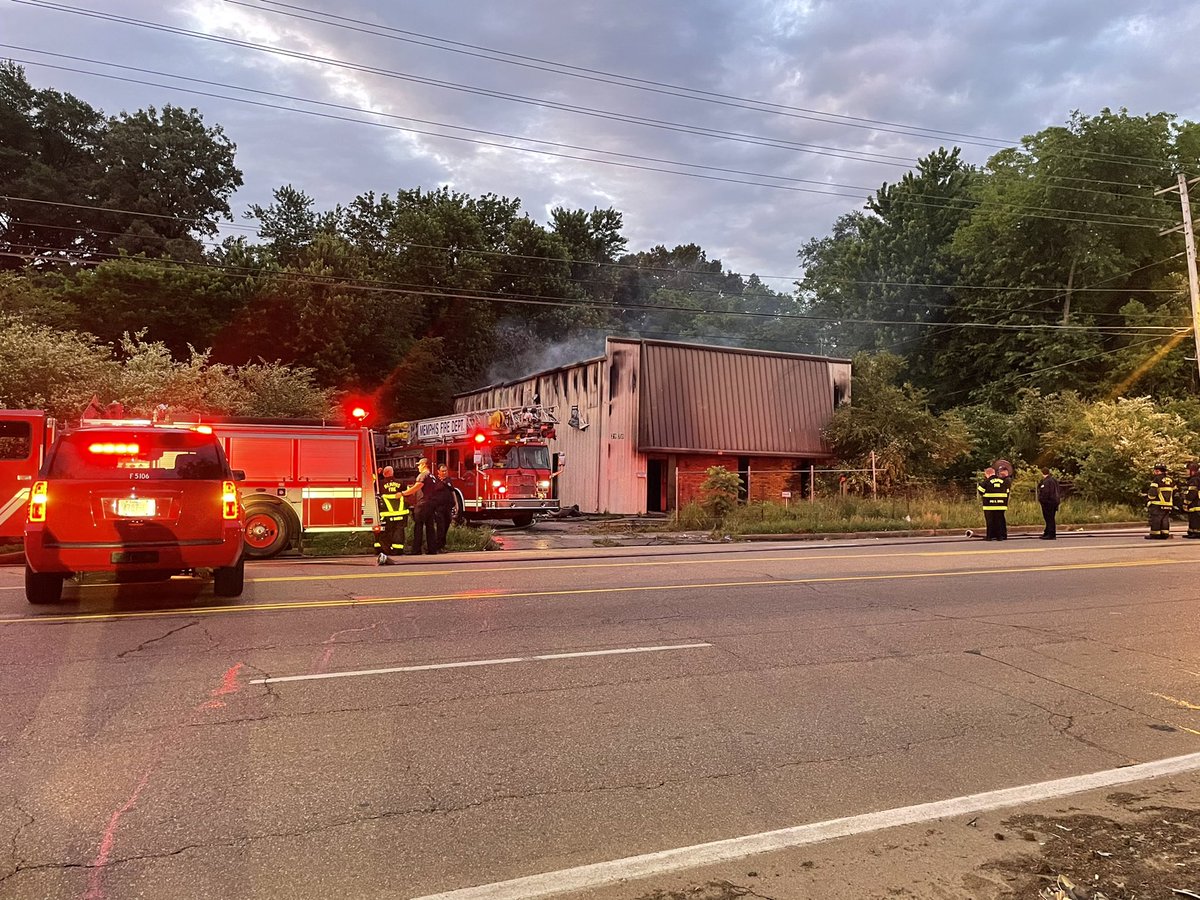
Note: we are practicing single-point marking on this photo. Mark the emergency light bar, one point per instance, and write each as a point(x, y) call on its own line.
point(118, 449)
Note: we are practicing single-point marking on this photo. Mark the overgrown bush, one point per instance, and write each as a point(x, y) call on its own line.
point(719, 492)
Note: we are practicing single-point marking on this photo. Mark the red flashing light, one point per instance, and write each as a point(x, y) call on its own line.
point(359, 413)
point(480, 437)
point(118, 449)
point(37, 502)
point(229, 500)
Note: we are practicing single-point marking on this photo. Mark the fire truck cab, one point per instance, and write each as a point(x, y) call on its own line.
point(498, 459)
point(25, 434)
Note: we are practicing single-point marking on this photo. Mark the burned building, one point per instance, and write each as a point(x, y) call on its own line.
point(640, 425)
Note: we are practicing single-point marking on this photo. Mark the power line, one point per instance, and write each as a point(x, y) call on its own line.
point(599, 75)
point(964, 204)
point(571, 303)
point(541, 102)
point(628, 266)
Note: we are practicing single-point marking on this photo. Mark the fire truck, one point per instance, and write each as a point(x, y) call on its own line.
point(301, 477)
point(498, 459)
point(25, 434)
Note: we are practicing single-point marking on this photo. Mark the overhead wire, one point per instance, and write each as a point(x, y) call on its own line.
point(559, 68)
point(1114, 219)
point(542, 102)
point(422, 290)
point(613, 265)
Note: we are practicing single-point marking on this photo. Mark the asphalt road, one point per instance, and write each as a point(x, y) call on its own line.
point(756, 687)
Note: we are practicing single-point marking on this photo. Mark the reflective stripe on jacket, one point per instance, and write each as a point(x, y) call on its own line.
point(1191, 495)
point(993, 492)
point(1161, 491)
point(391, 504)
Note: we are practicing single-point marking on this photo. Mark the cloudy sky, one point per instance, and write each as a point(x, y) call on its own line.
point(745, 126)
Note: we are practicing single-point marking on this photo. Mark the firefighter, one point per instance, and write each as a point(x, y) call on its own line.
point(1191, 500)
point(993, 493)
point(1160, 497)
point(390, 540)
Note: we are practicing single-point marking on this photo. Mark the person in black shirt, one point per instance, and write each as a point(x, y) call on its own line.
point(1049, 497)
point(442, 498)
point(417, 498)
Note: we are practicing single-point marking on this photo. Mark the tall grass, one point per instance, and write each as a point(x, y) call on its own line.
point(913, 513)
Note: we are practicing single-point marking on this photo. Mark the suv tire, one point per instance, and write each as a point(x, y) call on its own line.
point(43, 587)
point(230, 582)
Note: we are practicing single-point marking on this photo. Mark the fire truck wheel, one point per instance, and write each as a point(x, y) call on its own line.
point(43, 587)
point(523, 520)
point(267, 531)
point(229, 582)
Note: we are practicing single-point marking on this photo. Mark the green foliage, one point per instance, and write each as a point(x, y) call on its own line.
point(180, 306)
point(1109, 447)
point(51, 369)
point(892, 265)
point(166, 177)
point(719, 492)
point(894, 421)
point(151, 377)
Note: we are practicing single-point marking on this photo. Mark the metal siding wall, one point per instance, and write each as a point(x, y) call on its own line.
point(577, 385)
point(622, 490)
point(704, 399)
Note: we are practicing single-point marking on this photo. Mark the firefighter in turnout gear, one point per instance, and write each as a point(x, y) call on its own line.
point(1191, 500)
point(390, 540)
point(1160, 497)
point(993, 493)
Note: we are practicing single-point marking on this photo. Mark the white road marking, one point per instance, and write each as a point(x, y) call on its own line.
point(469, 663)
point(582, 878)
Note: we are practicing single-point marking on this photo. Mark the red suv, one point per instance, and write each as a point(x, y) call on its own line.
point(142, 501)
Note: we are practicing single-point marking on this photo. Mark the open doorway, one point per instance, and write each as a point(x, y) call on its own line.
point(656, 485)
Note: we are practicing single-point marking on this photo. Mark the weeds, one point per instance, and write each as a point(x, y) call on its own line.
point(915, 513)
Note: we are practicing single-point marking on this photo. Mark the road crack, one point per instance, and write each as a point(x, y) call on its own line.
point(154, 640)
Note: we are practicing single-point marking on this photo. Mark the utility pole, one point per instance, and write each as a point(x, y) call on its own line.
point(1189, 240)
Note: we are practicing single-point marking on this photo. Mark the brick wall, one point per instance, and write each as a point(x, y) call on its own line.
point(769, 476)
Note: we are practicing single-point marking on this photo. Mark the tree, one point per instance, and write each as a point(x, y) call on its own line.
point(48, 144)
point(1109, 446)
point(51, 368)
point(181, 306)
point(90, 187)
point(892, 265)
point(1065, 234)
point(894, 421)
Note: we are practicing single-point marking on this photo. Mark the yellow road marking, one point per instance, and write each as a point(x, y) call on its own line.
point(1183, 704)
point(722, 559)
point(520, 595)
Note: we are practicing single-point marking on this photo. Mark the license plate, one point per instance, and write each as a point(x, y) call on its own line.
point(135, 507)
point(135, 556)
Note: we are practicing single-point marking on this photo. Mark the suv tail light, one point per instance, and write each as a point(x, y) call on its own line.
point(229, 500)
point(37, 502)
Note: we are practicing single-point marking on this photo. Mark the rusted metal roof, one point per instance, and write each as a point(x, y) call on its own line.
point(703, 399)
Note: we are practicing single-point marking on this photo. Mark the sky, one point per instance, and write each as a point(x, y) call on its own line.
point(744, 126)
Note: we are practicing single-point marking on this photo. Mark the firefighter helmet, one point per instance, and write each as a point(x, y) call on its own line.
point(1159, 467)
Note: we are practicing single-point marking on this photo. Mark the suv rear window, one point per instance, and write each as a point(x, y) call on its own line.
point(138, 455)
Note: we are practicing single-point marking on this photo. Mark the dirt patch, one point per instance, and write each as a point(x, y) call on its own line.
point(1150, 854)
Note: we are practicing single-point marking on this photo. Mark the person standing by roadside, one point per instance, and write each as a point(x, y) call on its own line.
point(1191, 500)
point(389, 540)
point(1049, 496)
point(443, 506)
point(417, 496)
point(1160, 497)
point(993, 493)
point(1004, 473)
